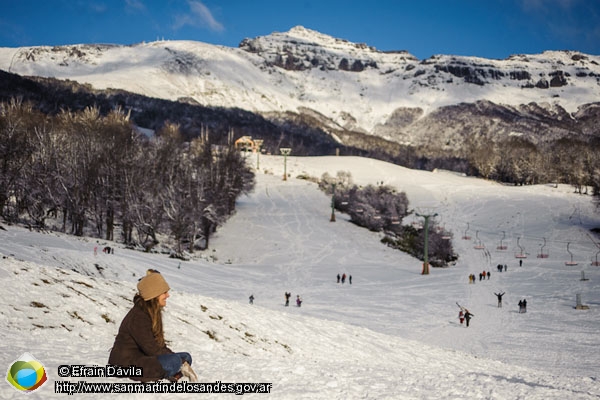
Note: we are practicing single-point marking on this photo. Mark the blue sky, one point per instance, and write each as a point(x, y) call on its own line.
point(485, 28)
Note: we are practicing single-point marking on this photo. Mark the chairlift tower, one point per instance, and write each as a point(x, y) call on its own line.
point(425, 270)
point(285, 151)
point(258, 143)
point(332, 219)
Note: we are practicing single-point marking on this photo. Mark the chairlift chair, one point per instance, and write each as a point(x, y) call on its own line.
point(521, 253)
point(596, 263)
point(479, 245)
point(571, 262)
point(541, 253)
point(465, 236)
point(502, 246)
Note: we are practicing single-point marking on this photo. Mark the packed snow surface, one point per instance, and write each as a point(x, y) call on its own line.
point(392, 334)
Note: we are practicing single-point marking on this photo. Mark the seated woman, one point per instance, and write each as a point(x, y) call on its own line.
point(140, 341)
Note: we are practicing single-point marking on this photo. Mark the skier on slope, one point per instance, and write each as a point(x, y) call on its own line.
point(140, 341)
point(468, 316)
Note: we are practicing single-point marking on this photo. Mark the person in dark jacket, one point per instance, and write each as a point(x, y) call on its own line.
point(499, 296)
point(287, 298)
point(140, 341)
point(468, 316)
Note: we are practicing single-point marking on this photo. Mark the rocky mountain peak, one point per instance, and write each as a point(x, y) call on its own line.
point(301, 49)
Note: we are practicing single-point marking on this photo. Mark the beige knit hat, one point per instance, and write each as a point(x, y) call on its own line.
point(152, 285)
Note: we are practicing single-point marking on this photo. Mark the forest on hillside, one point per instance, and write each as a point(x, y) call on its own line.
point(519, 160)
point(90, 174)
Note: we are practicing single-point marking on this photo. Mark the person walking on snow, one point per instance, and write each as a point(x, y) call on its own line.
point(461, 317)
point(251, 299)
point(499, 295)
point(287, 298)
point(298, 301)
point(468, 316)
point(140, 341)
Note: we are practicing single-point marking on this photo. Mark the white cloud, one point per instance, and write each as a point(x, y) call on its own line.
point(135, 5)
point(548, 5)
point(200, 16)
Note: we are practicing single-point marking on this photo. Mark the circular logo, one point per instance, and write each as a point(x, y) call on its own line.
point(26, 374)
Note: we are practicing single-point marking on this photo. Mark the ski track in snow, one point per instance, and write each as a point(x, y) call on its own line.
point(392, 334)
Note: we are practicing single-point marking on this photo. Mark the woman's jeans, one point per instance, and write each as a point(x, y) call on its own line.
point(171, 363)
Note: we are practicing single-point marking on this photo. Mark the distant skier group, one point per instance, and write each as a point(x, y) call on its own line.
point(342, 278)
point(482, 276)
point(522, 306)
point(465, 315)
point(287, 299)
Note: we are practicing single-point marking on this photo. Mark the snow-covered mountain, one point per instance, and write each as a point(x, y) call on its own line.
point(352, 86)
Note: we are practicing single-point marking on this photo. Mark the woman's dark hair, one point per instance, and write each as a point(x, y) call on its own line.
point(154, 310)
